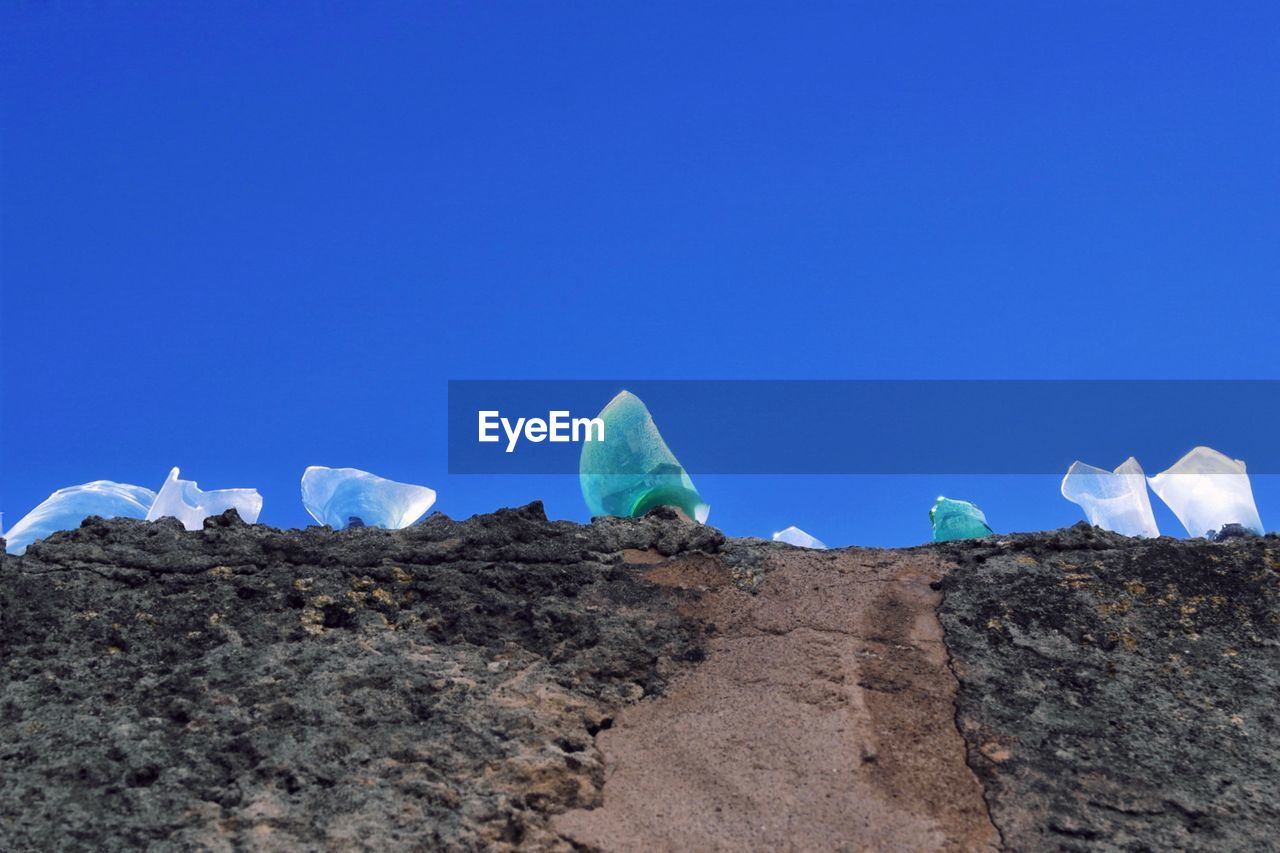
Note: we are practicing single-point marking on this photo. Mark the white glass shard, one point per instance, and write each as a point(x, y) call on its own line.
point(1207, 491)
point(795, 536)
point(66, 508)
point(1113, 500)
point(337, 496)
point(183, 500)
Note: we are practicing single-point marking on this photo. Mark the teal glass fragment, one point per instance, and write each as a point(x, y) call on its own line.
point(957, 520)
point(631, 470)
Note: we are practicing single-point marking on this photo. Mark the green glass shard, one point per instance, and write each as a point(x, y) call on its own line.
point(632, 470)
point(957, 520)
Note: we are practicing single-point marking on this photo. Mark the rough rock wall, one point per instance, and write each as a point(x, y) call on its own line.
point(1121, 694)
point(247, 687)
point(509, 682)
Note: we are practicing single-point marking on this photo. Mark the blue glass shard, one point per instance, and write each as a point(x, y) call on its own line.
point(66, 508)
point(349, 497)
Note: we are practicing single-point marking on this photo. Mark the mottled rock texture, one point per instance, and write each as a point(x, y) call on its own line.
point(1121, 694)
point(509, 682)
point(244, 687)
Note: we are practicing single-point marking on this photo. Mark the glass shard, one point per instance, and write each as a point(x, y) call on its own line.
point(957, 520)
point(349, 497)
point(183, 500)
point(632, 470)
point(795, 536)
point(1113, 500)
point(1208, 491)
point(66, 508)
point(1233, 531)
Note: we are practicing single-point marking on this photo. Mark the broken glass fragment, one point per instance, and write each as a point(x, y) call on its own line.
point(795, 536)
point(66, 508)
point(349, 497)
point(183, 500)
point(1208, 491)
point(957, 520)
point(631, 470)
point(1233, 531)
point(1113, 500)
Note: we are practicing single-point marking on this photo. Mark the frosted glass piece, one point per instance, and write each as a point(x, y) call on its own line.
point(349, 497)
point(66, 508)
point(954, 519)
point(1207, 491)
point(795, 536)
point(632, 470)
point(1234, 531)
point(183, 500)
point(1113, 500)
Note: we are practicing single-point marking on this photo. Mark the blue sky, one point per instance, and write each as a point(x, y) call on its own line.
point(244, 238)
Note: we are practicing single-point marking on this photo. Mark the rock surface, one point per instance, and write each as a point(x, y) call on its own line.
point(241, 687)
point(1120, 693)
point(510, 682)
point(822, 719)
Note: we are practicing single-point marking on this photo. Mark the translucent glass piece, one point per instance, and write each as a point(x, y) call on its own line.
point(957, 520)
point(632, 470)
point(1207, 491)
point(1113, 500)
point(183, 500)
point(1234, 531)
point(349, 497)
point(795, 536)
point(66, 508)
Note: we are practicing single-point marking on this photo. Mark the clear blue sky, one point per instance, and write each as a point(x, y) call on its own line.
point(244, 238)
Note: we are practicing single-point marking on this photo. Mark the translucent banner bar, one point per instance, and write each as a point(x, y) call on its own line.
point(871, 426)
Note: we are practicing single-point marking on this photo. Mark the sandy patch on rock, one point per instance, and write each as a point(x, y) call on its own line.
point(822, 719)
